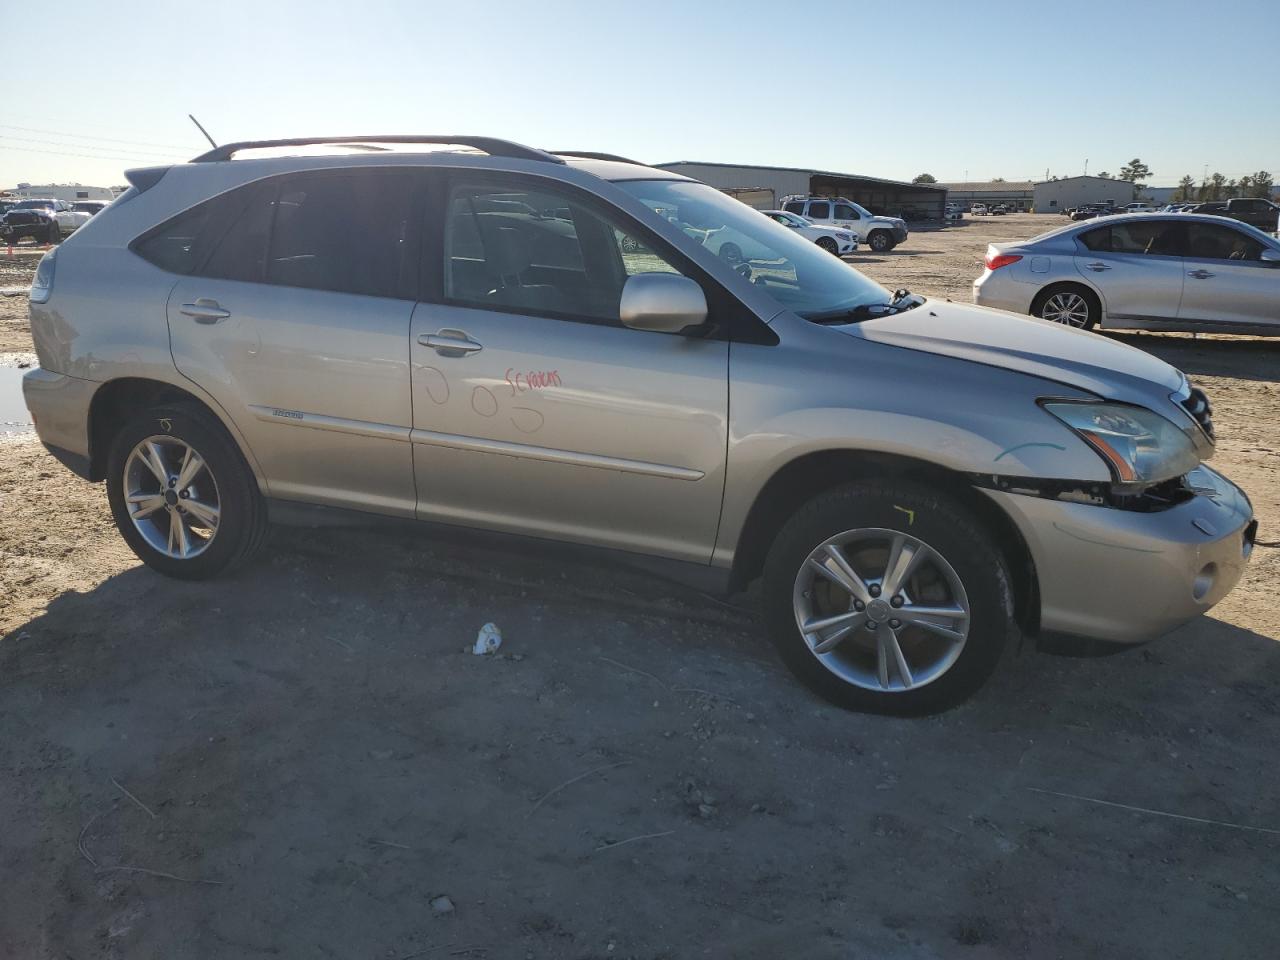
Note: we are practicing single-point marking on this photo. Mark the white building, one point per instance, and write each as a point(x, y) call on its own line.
point(1054, 196)
point(61, 191)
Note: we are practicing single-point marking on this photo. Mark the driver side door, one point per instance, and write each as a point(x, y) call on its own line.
point(535, 411)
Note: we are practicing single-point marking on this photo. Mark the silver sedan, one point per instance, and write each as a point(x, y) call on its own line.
point(1141, 272)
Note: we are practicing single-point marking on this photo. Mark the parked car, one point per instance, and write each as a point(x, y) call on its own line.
point(979, 210)
point(1091, 210)
point(255, 335)
point(999, 210)
point(1158, 272)
point(1254, 211)
point(1137, 208)
point(89, 206)
point(839, 242)
point(47, 221)
point(952, 212)
point(881, 234)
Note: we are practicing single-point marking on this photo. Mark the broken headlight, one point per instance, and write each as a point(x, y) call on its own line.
point(1139, 446)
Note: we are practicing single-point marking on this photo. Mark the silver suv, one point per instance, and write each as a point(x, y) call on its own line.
point(541, 345)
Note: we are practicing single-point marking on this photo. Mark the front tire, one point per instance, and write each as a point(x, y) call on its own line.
point(1069, 304)
point(888, 598)
point(829, 245)
point(181, 494)
point(880, 241)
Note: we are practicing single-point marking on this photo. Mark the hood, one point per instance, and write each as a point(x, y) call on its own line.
point(1051, 351)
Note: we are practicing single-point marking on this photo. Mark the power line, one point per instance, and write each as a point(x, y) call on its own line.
point(82, 136)
point(106, 151)
point(88, 156)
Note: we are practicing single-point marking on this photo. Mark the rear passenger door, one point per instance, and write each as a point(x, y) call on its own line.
point(294, 314)
point(535, 410)
point(1227, 282)
point(1136, 265)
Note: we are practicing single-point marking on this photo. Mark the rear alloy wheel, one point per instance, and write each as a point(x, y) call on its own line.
point(181, 494)
point(1070, 306)
point(829, 245)
point(889, 598)
point(880, 241)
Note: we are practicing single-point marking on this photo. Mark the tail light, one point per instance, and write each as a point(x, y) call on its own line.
point(42, 284)
point(997, 260)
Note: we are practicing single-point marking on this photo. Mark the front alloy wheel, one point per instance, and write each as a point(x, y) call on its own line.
point(881, 609)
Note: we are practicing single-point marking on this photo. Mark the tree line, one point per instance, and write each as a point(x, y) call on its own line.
point(1216, 187)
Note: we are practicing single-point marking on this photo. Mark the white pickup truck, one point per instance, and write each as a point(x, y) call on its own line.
point(879, 233)
point(45, 221)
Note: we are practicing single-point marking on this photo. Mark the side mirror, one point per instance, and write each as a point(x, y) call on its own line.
point(1270, 255)
point(662, 303)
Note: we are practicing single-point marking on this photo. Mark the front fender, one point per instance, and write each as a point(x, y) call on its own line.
point(821, 390)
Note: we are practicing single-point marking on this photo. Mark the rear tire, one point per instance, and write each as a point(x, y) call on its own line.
point(219, 508)
point(1069, 304)
point(960, 568)
point(880, 241)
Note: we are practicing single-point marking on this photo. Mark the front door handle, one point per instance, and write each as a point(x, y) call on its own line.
point(450, 343)
point(1200, 274)
point(1097, 266)
point(205, 310)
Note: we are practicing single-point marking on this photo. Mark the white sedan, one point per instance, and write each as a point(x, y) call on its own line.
point(831, 239)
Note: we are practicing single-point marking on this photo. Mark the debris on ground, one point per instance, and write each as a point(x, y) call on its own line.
point(488, 640)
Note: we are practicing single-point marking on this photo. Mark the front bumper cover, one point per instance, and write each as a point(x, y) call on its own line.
point(1128, 576)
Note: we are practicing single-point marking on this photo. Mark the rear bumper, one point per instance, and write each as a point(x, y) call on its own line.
point(999, 289)
point(1129, 577)
point(59, 406)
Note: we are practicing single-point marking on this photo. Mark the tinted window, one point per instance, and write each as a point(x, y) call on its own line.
point(1099, 239)
point(1146, 236)
point(844, 212)
point(344, 232)
point(175, 245)
point(539, 252)
point(795, 206)
point(820, 211)
point(1209, 241)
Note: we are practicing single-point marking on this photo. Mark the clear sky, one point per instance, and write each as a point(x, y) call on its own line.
point(951, 87)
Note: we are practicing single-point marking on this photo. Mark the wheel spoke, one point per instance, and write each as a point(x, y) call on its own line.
point(882, 657)
point(904, 559)
point(913, 612)
point(192, 464)
point(205, 513)
point(144, 504)
point(155, 463)
point(179, 542)
point(833, 640)
point(890, 639)
point(837, 569)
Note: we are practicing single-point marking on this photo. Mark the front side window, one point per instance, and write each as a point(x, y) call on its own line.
point(539, 251)
point(846, 212)
point(795, 206)
point(1210, 241)
point(800, 275)
point(820, 210)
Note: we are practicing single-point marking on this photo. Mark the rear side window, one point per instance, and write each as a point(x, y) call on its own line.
point(340, 231)
point(820, 211)
point(1157, 238)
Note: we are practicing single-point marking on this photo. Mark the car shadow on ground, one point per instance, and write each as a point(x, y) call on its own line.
point(311, 737)
point(1246, 358)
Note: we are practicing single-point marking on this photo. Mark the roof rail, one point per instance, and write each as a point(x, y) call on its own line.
point(490, 145)
point(594, 155)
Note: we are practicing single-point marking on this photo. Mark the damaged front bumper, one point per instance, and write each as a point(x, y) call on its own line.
point(1130, 575)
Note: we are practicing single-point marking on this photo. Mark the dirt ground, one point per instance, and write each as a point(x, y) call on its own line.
point(301, 761)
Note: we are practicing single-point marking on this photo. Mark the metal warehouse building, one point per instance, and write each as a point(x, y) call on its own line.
point(1017, 195)
point(764, 187)
point(1054, 196)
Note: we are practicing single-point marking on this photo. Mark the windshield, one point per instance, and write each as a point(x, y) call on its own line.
point(32, 204)
point(798, 273)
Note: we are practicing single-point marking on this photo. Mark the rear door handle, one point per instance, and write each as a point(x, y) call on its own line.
point(1200, 274)
point(205, 310)
point(450, 343)
point(1097, 266)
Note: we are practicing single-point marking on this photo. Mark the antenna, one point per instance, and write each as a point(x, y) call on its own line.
point(203, 130)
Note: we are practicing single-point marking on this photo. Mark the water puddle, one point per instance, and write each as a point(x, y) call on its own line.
point(14, 418)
